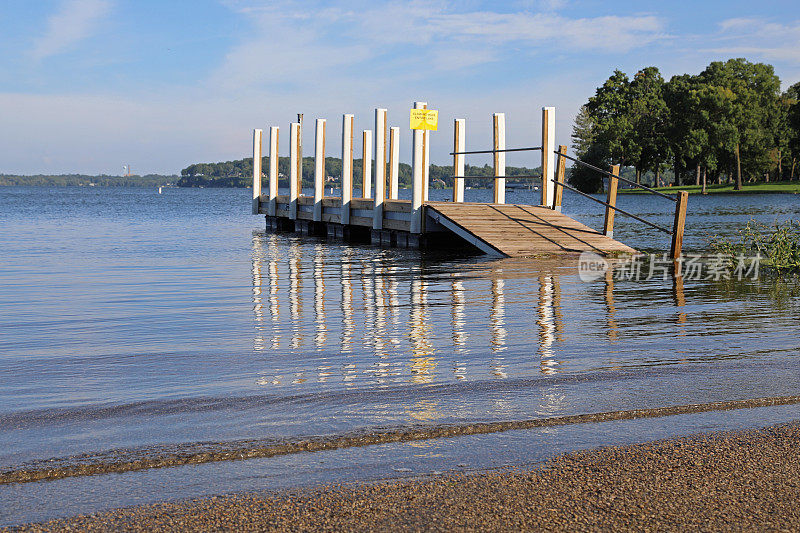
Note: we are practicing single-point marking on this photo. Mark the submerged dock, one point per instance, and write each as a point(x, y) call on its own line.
point(379, 217)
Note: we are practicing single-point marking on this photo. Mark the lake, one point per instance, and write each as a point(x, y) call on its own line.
point(142, 325)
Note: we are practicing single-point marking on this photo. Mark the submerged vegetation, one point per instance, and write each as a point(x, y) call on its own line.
point(778, 245)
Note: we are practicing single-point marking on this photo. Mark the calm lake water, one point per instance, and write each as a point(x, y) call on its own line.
point(152, 323)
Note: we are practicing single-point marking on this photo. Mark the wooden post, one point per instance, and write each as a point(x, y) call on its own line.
point(366, 165)
point(294, 164)
point(499, 136)
point(611, 199)
point(380, 168)
point(418, 176)
point(347, 168)
point(426, 161)
point(300, 154)
point(459, 142)
point(394, 162)
point(256, 170)
point(548, 155)
point(679, 224)
point(561, 169)
point(273, 171)
point(319, 168)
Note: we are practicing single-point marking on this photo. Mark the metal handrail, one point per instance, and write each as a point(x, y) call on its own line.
point(607, 173)
point(496, 177)
point(497, 151)
point(615, 208)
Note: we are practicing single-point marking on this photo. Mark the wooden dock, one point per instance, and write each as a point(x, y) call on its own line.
point(521, 230)
point(379, 217)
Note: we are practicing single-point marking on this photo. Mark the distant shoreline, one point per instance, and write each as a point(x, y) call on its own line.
point(83, 180)
point(775, 187)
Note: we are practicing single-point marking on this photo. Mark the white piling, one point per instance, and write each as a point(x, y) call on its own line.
point(426, 165)
point(499, 121)
point(459, 144)
point(347, 167)
point(294, 164)
point(394, 162)
point(273, 171)
point(380, 168)
point(319, 168)
point(418, 176)
point(548, 155)
point(366, 164)
point(257, 134)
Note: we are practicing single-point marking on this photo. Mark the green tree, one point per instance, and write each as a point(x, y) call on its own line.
point(648, 115)
point(747, 96)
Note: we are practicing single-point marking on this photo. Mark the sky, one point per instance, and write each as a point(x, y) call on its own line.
point(87, 86)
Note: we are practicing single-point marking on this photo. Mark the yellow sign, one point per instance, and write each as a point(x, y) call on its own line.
point(424, 119)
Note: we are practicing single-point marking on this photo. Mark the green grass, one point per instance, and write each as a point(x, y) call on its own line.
point(785, 187)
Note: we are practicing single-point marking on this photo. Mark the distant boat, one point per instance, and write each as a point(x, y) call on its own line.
point(159, 190)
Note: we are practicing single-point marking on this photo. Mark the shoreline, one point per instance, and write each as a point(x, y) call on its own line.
point(725, 480)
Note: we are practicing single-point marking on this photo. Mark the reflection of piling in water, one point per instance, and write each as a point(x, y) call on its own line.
point(381, 343)
point(497, 319)
point(611, 310)
point(258, 306)
point(294, 294)
point(272, 273)
point(319, 297)
point(347, 302)
point(459, 334)
point(547, 324)
point(423, 362)
point(678, 296)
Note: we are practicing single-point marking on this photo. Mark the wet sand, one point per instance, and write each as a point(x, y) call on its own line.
point(724, 481)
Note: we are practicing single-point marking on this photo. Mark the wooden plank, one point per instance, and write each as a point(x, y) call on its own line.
point(361, 221)
point(305, 200)
point(330, 217)
point(331, 201)
point(517, 230)
point(401, 225)
point(305, 215)
point(361, 203)
point(397, 206)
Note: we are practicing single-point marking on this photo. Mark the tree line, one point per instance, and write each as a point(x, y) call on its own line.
point(239, 173)
point(83, 180)
point(728, 124)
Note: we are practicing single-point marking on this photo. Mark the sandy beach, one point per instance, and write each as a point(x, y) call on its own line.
point(722, 481)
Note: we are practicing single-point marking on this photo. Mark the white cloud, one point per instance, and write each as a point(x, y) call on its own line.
point(298, 44)
point(75, 21)
point(759, 39)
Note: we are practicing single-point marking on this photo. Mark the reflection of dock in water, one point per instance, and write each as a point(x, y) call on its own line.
point(375, 320)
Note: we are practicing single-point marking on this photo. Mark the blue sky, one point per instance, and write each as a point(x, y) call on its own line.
point(89, 85)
